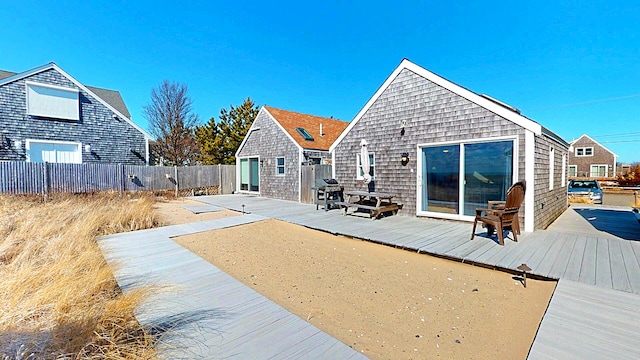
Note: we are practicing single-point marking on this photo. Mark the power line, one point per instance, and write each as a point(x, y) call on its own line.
point(588, 102)
point(618, 135)
point(620, 141)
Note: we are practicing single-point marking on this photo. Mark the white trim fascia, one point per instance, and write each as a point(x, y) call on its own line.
point(300, 158)
point(283, 130)
point(333, 164)
point(457, 89)
point(418, 179)
point(55, 67)
point(27, 73)
point(590, 138)
point(146, 149)
point(529, 176)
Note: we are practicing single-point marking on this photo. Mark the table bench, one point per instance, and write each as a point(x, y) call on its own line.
point(376, 203)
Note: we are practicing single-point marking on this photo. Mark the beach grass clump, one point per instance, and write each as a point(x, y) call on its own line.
point(59, 296)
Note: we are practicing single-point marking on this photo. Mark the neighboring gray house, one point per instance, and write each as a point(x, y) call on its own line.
point(47, 115)
point(587, 158)
point(278, 144)
point(463, 149)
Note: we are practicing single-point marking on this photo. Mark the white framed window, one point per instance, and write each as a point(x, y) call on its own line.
point(552, 165)
point(564, 171)
point(584, 151)
point(53, 151)
point(52, 101)
point(598, 170)
point(280, 166)
point(573, 170)
point(372, 162)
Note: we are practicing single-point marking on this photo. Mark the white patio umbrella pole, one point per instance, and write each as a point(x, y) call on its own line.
point(364, 159)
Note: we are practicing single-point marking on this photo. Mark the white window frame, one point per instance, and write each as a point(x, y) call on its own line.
point(552, 165)
point(582, 151)
point(564, 170)
point(515, 168)
point(51, 101)
point(575, 172)
point(606, 170)
point(359, 166)
point(278, 166)
point(78, 159)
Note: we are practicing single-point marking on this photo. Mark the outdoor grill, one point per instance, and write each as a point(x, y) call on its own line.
point(328, 191)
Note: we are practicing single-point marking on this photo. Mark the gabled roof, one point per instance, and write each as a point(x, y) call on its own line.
point(109, 98)
point(113, 98)
point(495, 106)
point(595, 142)
point(290, 121)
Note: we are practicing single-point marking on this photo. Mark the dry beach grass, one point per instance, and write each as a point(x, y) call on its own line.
point(59, 297)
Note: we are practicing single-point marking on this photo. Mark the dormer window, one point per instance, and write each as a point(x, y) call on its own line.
point(52, 101)
point(305, 134)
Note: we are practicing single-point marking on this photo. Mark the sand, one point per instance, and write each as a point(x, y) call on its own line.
point(385, 302)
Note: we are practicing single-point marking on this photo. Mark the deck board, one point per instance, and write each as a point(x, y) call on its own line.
point(210, 314)
point(583, 324)
point(592, 250)
point(603, 264)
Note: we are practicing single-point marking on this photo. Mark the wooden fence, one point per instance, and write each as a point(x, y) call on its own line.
point(44, 178)
point(309, 175)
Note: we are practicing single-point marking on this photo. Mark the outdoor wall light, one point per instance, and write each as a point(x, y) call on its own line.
point(405, 158)
point(87, 147)
point(17, 144)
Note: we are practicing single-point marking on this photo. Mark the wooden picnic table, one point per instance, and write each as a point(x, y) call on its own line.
point(377, 203)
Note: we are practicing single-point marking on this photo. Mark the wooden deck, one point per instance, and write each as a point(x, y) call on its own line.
point(581, 323)
point(593, 250)
point(209, 314)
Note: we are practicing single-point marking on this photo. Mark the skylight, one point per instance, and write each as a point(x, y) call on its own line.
point(305, 134)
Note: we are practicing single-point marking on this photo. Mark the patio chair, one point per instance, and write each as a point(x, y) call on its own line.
point(500, 215)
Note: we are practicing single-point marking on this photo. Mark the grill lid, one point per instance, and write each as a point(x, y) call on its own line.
point(326, 182)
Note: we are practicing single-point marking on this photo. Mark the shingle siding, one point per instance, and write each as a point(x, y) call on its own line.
point(269, 143)
point(549, 204)
point(601, 156)
point(433, 114)
point(110, 139)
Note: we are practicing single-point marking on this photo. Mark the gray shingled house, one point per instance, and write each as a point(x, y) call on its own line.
point(463, 149)
point(47, 115)
point(588, 158)
point(270, 158)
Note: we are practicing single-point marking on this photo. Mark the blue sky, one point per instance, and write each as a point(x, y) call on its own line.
point(571, 66)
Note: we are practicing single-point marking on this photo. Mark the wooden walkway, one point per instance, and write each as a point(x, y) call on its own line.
point(203, 313)
point(593, 249)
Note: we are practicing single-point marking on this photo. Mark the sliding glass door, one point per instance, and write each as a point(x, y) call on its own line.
point(249, 174)
point(441, 169)
point(488, 173)
point(457, 178)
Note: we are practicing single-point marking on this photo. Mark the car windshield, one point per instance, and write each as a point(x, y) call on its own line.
point(583, 185)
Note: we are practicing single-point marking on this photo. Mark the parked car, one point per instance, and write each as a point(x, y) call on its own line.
point(586, 188)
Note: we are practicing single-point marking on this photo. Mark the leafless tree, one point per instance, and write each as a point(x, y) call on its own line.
point(172, 123)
